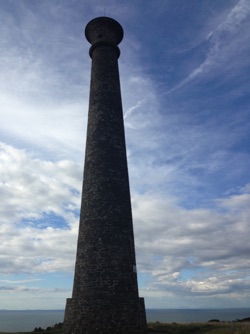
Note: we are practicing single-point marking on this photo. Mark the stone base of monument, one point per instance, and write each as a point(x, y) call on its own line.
point(92, 318)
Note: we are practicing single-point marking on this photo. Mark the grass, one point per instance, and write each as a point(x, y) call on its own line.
point(174, 328)
point(45, 332)
point(53, 331)
point(200, 328)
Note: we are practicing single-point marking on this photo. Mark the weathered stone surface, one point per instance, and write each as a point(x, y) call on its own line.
point(105, 294)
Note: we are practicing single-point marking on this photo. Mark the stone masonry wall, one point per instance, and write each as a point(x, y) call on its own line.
point(105, 294)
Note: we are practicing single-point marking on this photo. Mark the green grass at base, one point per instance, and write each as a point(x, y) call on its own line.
point(54, 332)
point(45, 332)
point(200, 328)
point(174, 328)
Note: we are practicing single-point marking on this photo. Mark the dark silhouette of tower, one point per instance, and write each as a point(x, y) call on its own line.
point(105, 294)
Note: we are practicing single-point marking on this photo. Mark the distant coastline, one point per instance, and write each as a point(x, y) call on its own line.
point(27, 320)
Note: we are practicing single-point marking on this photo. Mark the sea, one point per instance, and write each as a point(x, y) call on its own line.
point(25, 321)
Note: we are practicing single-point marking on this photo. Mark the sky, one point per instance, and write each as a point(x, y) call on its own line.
point(185, 81)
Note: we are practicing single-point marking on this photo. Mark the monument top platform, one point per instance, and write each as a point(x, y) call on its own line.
point(104, 29)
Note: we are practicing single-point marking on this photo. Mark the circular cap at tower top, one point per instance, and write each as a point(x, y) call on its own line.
point(104, 29)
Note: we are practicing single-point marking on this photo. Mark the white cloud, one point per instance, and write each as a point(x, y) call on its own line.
point(169, 238)
point(199, 251)
point(10, 282)
point(44, 92)
point(35, 192)
point(223, 49)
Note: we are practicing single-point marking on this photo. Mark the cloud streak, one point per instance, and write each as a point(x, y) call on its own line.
point(218, 50)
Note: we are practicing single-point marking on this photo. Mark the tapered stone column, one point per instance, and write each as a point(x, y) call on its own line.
point(105, 293)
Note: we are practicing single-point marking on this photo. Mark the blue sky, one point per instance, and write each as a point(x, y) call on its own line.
point(184, 71)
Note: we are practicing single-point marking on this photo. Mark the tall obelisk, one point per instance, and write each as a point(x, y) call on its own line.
point(105, 294)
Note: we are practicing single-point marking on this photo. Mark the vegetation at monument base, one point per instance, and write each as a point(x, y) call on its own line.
point(55, 329)
point(215, 327)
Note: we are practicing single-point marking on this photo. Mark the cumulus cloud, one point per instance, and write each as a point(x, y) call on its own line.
point(171, 241)
point(194, 252)
point(36, 192)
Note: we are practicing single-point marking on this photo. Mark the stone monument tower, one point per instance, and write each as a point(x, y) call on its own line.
point(105, 294)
